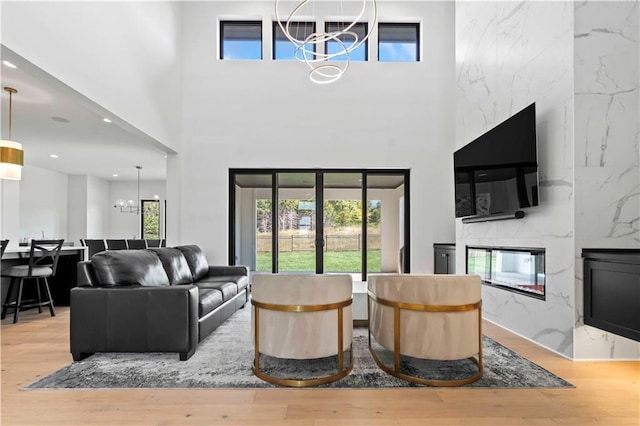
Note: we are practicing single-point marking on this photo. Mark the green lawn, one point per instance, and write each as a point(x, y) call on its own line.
point(344, 261)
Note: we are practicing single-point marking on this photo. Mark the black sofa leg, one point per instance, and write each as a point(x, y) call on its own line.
point(79, 356)
point(186, 355)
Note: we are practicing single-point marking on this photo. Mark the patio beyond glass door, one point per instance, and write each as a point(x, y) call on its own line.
point(319, 221)
point(296, 222)
point(343, 237)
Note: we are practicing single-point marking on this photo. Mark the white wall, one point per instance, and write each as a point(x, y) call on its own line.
point(125, 56)
point(77, 211)
point(10, 211)
point(99, 207)
point(509, 55)
point(43, 204)
point(378, 115)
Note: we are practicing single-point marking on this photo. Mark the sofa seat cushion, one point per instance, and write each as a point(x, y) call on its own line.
point(175, 265)
point(128, 267)
point(241, 280)
point(228, 289)
point(196, 260)
point(208, 300)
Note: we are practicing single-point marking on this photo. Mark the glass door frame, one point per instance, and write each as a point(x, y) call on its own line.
point(319, 196)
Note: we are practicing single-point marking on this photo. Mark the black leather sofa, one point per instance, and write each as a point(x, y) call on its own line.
point(152, 300)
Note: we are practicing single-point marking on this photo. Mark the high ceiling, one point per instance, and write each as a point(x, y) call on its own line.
point(50, 117)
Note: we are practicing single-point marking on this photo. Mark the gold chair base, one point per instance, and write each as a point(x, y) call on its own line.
point(397, 308)
point(425, 381)
point(300, 383)
point(342, 370)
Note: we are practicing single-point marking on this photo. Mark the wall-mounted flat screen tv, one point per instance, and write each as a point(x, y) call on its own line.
point(497, 173)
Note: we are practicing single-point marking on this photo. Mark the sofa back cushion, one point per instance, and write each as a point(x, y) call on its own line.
point(175, 265)
point(196, 260)
point(128, 267)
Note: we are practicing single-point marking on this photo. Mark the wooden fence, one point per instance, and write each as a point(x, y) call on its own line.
point(332, 242)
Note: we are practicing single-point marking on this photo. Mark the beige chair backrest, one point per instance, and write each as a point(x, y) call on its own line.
point(302, 335)
point(429, 335)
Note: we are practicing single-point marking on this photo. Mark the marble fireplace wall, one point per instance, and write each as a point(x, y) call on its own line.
point(508, 55)
point(579, 61)
point(607, 180)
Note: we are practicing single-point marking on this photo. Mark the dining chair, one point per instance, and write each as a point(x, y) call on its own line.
point(117, 245)
point(136, 244)
point(94, 246)
point(153, 243)
point(43, 262)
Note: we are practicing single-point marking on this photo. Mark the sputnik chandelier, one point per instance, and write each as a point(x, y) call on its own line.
point(322, 70)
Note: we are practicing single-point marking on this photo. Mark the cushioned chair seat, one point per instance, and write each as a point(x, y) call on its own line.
point(21, 271)
point(227, 289)
point(208, 300)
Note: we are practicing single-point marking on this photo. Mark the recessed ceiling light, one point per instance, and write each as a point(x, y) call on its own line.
point(53, 155)
point(9, 64)
point(115, 175)
point(106, 120)
point(60, 119)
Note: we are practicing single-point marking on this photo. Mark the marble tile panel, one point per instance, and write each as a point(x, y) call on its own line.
point(607, 129)
point(593, 343)
point(521, 38)
point(554, 131)
point(607, 206)
point(538, 82)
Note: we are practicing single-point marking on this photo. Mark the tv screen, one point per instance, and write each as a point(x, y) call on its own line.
point(497, 173)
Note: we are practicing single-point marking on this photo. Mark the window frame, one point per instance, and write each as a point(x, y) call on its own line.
point(246, 22)
point(276, 27)
point(366, 43)
point(416, 25)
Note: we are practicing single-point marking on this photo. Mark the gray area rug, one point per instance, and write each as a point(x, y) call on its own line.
point(224, 359)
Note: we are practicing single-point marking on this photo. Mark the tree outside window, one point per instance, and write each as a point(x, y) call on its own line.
point(151, 219)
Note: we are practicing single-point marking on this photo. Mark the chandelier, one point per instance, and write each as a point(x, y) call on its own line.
point(322, 70)
point(11, 153)
point(130, 206)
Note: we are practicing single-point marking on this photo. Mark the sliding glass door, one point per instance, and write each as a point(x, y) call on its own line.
point(319, 221)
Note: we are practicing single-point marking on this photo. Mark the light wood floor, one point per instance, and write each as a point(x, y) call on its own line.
point(605, 394)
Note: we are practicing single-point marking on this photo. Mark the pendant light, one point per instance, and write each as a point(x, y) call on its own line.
point(327, 67)
point(130, 206)
point(11, 153)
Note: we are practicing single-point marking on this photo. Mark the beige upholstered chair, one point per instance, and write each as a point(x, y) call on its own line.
point(297, 316)
point(432, 317)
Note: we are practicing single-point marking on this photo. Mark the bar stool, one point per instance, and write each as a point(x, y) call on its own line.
point(43, 261)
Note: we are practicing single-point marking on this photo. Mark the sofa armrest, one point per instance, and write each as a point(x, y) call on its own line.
point(228, 270)
point(134, 319)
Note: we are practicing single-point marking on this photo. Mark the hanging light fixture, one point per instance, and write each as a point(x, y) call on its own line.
point(322, 70)
point(130, 206)
point(11, 153)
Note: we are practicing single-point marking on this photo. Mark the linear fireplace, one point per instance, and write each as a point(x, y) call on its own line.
point(517, 269)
